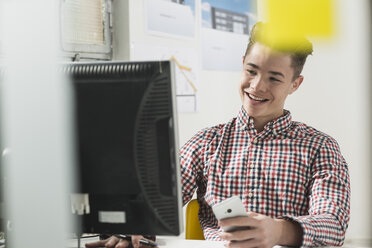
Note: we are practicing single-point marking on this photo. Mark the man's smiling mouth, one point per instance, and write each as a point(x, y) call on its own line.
point(256, 98)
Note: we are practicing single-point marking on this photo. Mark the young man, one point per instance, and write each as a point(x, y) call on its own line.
point(291, 178)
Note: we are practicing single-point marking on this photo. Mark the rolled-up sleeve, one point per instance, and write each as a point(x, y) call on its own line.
point(191, 155)
point(329, 199)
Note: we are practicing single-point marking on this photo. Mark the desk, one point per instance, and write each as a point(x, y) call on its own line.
point(167, 242)
point(184, 243)
point(176, 242)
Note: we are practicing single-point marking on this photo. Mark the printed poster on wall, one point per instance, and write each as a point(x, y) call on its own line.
point(225, 32)
point(170, 18)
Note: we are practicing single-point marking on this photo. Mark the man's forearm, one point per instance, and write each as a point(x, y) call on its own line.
point(291, 233)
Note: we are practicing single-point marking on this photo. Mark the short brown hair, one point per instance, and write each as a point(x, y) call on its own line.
point(298, 50)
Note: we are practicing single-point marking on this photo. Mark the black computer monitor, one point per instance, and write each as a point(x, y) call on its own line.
point(127, 149)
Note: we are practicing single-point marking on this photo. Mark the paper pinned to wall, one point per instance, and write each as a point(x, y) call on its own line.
point(170, 18)
point(225, 29)
point(223, 51)
point(187, 70)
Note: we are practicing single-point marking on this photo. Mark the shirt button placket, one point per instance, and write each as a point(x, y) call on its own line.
point(252, 184)
point(254, 141)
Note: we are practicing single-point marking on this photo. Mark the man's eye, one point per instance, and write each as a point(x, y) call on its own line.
point(251, 72)
point(274, 79)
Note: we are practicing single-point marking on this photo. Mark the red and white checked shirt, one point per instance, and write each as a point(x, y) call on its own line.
point(289, 170)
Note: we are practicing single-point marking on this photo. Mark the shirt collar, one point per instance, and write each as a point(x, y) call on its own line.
point(245, 122)
point(276, 126)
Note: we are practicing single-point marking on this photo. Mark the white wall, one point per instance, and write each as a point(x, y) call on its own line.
point(219, 98)
point(333, 98)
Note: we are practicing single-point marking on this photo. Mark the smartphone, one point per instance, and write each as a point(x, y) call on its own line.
point(231, 207)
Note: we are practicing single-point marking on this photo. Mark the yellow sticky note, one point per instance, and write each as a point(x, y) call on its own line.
point(290, 19)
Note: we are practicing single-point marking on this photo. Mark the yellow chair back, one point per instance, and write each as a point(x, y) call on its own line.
point(193, 228)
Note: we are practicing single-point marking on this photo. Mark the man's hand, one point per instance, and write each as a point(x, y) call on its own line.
point(115, 242)
point(262, 231)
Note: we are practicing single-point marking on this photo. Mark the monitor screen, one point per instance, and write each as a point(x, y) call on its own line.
point(127, 149)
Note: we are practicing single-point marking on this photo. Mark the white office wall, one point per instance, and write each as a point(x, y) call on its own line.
point(333, 98)
point(218, 91)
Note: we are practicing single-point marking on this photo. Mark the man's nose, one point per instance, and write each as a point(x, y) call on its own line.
point(257, 84)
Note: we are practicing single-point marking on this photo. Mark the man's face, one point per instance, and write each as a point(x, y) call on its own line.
point(266, 81)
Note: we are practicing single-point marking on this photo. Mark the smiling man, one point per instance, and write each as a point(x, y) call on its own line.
point(267, 79)
point(291, 177)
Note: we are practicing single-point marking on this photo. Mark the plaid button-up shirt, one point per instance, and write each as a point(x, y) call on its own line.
point(289, 170)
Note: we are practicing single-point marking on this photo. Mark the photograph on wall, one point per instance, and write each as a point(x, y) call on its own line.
point(236, 16)
point(170, 17)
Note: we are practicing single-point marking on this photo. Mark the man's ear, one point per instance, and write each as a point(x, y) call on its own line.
point(296, 84)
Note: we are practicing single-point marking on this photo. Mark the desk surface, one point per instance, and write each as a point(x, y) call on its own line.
point(165, 242)
point(171, 242)
point(183, 243)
